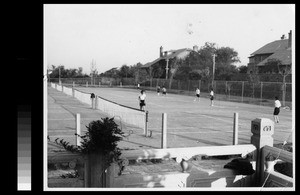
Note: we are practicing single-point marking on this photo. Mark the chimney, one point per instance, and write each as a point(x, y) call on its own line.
point(161, 51)
point(290, 39)
point(195, 48)
point(282, 37)
point(166, 53)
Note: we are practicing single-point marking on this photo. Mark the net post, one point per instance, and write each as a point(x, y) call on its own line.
point(164, 131)
point(96, 102)
point(146, 124)
point(78, 132)
point(93, 100)
point(235, 128)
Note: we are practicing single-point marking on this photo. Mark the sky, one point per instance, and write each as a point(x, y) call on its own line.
point(113, 35)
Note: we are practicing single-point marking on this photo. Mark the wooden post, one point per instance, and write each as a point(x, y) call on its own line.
point(97, 169)
point(110, 175)
point(261, 87)
point(226, 87)
point(146, 124)
point(235, 128)
point(87, 172)
point(262, 130)
point(242, 91)
point(164, 131)
point(93, 103)
point(87, 84)
point(73, 84)
point(78, 131)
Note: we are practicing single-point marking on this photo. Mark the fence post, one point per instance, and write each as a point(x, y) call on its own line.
point(261, 87)
point(235, 128)
point(242, 91)
point(252, 91)
point(73, 84)
point(226, 88)
point(99, 84)
point(78, 131)
point(164, 131)
point(262, 130)
point(87, 84)
point(200, 84)
point(284, 95)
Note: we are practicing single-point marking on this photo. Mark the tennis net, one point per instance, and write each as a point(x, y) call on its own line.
point(124, 113)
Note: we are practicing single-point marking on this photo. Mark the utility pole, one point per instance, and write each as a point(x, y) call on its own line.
point(59, 74)
point(167, 69)
point(214, 63)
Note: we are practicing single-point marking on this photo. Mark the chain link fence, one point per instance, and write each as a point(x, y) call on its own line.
point(260, 93)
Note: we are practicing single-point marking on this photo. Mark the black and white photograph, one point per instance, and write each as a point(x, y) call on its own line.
point(168, 97)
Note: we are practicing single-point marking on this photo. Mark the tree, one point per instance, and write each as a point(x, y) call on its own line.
point(284, 71)
point(243, 69)
point(140, 74)
point(125, 71)
point(226, 72)
point(199, 65)
point(253, 78)
point(226, 56)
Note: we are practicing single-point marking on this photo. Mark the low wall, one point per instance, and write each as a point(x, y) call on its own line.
point(196, 176)
point(217, 177)
point(272, 178)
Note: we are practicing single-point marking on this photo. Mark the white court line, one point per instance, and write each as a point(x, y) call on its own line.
point(199, 132)
point(197, 114)
point(54, 136)
point(61, 130)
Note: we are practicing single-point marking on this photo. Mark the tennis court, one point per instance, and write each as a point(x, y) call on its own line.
point(192, 123)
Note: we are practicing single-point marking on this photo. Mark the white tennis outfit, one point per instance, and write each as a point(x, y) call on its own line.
point(277, 104)
point(142, 97)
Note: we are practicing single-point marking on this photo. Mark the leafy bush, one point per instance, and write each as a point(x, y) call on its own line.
point(102, 137)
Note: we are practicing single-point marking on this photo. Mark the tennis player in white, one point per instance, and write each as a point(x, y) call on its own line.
point(197, 94)
point(277, 105)
point(142, 98)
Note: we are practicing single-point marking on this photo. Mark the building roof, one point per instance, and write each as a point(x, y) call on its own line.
point(284, 55)
point(272, 47)
point(173, 54)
